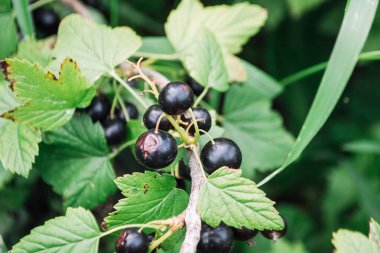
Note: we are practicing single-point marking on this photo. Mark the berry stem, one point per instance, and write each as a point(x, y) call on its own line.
point(184, 136)
point(121, 148)
point(160, 240)
point(159, 121)
point(201, 96)
point(39, 4)
point(196, 136)
point(208, 135)
point(122, 82)
point(156, 227)
point(115, 99)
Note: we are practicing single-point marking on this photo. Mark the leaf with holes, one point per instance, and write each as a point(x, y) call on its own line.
point(149, 196)
point(226, 197)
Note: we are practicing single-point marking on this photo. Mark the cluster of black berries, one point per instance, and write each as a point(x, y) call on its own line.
point(213, 240)
point(156, 148)
point(114, 127)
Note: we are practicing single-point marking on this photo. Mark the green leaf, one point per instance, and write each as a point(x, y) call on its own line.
point(150, 196)
point(156, 45)
point(8, 100)
point(75, 162)
point(257, 130)
point(18, 146)
point(205, 63)
point(9, 40)
point(96, 48)
point(352, 36)
point(24, 17)
point(48, 102)
point(181, 27)
point(346, 241)
point(35, 51)
point(5, 176)
point(236, 201)
point(77, 231)
point(234, 25)
point(374, 232)
point(261, 83)
point(283, 246)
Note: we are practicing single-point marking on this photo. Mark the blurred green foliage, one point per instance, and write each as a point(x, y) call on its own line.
point(335, 184)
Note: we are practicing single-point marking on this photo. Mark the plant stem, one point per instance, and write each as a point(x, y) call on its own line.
point(201, 96)
point(39, 4)
point(184, 136)
point(192, 217)
point(157, 227)
point(115, 99)
point(122, 82)
point(121, 148)
point(160, 240)
point(196, 136)
point(169, 57)
point(78, 7)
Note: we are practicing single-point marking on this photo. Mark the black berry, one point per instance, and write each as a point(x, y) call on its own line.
point(47, 20)
point(131, 109)
point(151, 116)
point(202, 116)
point(99, 108)
point(195, 86)
point(224, 152)
point(114, 131)
point(176, 98)
point(275, 234)
point(131, 241)
point(156, 150)
point(215, 240)
point(244, 234)
point(184, 170)
point(151, 238)
point(180, 184)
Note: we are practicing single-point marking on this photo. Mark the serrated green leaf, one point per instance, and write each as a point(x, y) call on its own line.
point(234, 25)
point(18, 146)
point(8, 100)
point(346, 241)
point(250, 122)
point(156, 45)
point(75, 162)
point(77, 231)
point(150, 196)
point(49, 103)
point(374, 232)
point(96, 48)
point(226, 197)
point(35, 51)
point(205, 63)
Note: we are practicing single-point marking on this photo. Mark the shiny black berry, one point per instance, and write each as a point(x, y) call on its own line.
point(215, 240)
point(151, 116)
point(156, 150)
point(203, 118)
point(223, 152)
point(47, 20)
point(131, 241)
point(195, 86)
point(99, 108)
point(151, 238)
point(175, 98)
point(275, 234)
point(131, 110)
point(244, 234)
point(115, 131)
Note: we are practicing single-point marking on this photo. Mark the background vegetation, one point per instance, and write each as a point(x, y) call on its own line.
point(335, 184)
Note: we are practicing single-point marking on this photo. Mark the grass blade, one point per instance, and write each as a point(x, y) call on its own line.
point(352, 36)
point(24, 17)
